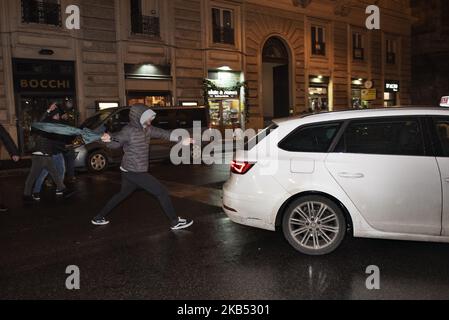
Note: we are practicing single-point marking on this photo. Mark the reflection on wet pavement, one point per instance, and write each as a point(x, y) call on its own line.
point(138, 257)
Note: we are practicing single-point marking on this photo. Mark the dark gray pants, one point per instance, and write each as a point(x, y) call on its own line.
point(132, 181)
point(38, 164)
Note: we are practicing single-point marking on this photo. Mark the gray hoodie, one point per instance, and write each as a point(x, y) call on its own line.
point(135, 139)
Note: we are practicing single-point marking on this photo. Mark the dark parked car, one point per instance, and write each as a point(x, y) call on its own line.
point(96, 157)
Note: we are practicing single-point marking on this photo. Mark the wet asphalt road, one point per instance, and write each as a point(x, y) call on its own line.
point(137, 257)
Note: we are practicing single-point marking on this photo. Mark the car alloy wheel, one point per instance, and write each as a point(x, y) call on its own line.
point(97, 162)
point(314, 225)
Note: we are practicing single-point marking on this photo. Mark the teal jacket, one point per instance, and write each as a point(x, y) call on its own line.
point(88, 136)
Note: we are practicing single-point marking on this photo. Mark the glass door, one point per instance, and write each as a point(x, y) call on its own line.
point(231, 114)
point(215, 114)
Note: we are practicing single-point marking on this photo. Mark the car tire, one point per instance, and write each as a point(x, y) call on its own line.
point(314, 225)
point(97, 162)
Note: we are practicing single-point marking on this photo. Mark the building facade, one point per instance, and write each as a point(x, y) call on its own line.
point(248, 61)
point(430, 54)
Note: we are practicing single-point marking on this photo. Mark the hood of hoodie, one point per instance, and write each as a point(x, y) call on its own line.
point(136, 114)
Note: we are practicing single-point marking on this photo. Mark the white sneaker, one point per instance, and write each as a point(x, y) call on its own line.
point(182, 224)
point(100, 222)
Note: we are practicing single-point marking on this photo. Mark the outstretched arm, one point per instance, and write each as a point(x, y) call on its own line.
point(158, 133)
point(9, 143)
point(116, 141)
point(47, 113)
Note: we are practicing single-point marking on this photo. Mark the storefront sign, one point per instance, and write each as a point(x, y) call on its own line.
point(317, 91)
point(221, 94)
point(369, 84)
point(369, 94)
point(44, 76)
point(392, 86)
point(44, 84)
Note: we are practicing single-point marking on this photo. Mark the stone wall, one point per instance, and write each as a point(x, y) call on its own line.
point(189, 57)
point(99, 79)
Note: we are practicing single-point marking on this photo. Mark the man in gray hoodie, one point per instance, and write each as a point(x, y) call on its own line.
point(135, 141)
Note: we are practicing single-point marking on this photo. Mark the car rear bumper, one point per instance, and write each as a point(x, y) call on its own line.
point(249, 211)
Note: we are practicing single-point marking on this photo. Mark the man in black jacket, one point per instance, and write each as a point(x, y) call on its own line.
point(13, 152)
point(47, 145)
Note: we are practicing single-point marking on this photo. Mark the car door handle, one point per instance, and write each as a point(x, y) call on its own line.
point(447, 180)
point(347, 175)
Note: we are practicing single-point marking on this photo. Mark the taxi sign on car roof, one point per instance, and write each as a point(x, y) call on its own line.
point(444, 102)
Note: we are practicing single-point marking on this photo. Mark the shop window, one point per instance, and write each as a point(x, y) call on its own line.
point(383, 137)
point(391, 47)
point(358, 46)
point(151, 99)
point(315, 139)
point(145, 18)
point(318, 41)
point(223, 26)
point(361, 96)
point(318, 93)
point(41, 11)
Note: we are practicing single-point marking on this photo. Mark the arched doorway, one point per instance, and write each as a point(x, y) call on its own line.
point(276, 79)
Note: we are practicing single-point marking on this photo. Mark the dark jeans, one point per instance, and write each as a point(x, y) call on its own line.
point(131, 182)
point(58, 160)
point(40, 163)
point(70, 157)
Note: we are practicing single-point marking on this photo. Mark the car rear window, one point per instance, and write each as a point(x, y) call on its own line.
point(311, 139)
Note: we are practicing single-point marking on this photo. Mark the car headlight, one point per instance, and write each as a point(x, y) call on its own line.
point(78, 142)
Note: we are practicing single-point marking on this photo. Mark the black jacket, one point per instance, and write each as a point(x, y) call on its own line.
point(8, 142)
point(47, 143)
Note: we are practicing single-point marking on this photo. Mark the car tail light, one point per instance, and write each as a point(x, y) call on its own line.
point(241, 167)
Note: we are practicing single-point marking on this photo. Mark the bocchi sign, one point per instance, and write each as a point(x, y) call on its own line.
point(44, 84)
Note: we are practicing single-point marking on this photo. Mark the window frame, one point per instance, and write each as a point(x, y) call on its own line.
point(341, 123)
point(134, 14)
point(57, 25)
point(357, 34)
point(393, 45)
point(222, 27)
point(429, 150)
point(315, 35)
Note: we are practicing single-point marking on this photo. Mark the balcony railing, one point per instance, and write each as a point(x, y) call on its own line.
point(224, 35)
point(41, 12)
point(146, 25)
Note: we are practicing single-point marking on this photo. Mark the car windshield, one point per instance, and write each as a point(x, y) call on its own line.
point(97, 120)
point(260, 136)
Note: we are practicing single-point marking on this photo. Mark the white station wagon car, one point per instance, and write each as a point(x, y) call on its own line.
point(376, 173)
